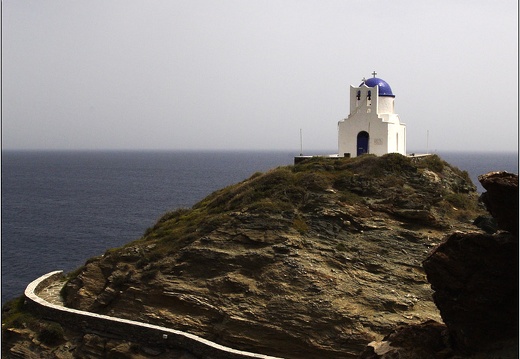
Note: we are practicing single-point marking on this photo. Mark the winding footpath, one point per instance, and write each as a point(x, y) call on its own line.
point(43, 297)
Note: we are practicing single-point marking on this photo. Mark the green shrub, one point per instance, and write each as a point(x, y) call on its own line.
point(342, 163)
point(255, 175)
point(150, 231)
point(19, 320)
point(432, 162)
point(460, 206)
point(15, 316)
point(300, 225)
point(313, 181)
point(466, 177)
point(361, 163)
point(350, 198)
point(210, 223)
point(24, 319)
point(460, 201)
point(462, 174)
point(118, 279)
point(396, 163)
point(341, 247)
point(465, 215)
point(314, 164)
point(241, 195)
point(142, 262)
point(155, 256)
point(172, 215)
point(13, 306)
point(394, 180)
point(51, 334)
point(268, 205)
point(149, 274)
point(343, 181)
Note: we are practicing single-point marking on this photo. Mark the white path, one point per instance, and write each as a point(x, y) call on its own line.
point(43, 295)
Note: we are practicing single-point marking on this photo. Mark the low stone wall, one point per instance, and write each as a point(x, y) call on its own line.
point(130, 330)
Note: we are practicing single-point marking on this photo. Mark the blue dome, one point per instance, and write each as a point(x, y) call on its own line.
point(384, 87)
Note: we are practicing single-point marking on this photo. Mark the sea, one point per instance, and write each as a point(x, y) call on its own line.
point(60, 208)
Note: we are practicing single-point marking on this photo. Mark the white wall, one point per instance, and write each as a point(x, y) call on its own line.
point(385, 105)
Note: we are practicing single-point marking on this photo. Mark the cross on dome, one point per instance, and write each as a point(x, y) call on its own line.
point(374, 73)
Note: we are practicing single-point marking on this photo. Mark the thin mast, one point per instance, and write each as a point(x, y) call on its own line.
point(301, 143)
point(427, 142)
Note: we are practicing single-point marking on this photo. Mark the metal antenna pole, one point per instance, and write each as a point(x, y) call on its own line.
point(427, 142)
point(301, 143)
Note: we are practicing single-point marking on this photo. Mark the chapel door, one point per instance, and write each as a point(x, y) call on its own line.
point(362, 143)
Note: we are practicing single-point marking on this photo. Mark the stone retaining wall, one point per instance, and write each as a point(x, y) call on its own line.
point(130, 330)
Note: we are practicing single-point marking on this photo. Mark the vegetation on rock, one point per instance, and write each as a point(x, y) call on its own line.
point(16, 320)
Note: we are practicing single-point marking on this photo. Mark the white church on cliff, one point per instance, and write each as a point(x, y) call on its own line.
point(372, 126)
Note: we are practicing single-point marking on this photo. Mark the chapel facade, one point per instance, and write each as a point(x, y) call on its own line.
point(372, 127)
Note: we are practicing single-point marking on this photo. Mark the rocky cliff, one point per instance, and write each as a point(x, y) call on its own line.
point(475, 281)
point(307, 261)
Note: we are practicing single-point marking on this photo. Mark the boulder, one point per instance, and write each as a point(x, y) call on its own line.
point(475, 279)
point(501, 198)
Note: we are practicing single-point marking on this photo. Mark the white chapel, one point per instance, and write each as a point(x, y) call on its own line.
point(372, 125)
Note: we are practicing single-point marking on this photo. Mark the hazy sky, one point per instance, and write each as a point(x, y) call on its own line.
point(236, 74)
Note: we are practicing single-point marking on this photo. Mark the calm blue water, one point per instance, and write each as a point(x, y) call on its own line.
point(61, 208)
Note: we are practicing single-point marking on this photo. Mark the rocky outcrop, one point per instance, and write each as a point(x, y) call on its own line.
point(501, 198)
point(306, 261)
point(475, 281)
